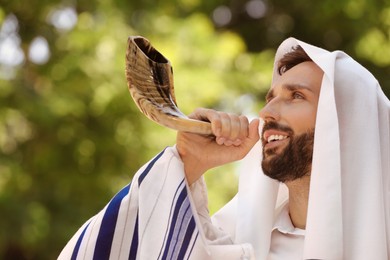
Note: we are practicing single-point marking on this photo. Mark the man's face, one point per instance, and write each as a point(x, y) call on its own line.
point(290, 115)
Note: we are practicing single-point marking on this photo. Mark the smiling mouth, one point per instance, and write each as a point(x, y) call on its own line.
point(275, 135)
point(274, 141)
point(273, 138)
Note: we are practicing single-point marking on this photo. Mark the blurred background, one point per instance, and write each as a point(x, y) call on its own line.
point(70, 134)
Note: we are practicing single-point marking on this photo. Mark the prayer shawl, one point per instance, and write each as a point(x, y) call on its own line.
point(156, 216)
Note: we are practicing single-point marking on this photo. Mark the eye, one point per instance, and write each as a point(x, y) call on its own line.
point(297, 95)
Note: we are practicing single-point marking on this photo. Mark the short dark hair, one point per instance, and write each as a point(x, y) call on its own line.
point(292, 58)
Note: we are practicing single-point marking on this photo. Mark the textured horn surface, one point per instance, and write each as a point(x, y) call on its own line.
point(150, 81)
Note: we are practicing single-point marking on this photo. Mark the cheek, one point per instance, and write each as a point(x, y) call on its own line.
point(303, 119)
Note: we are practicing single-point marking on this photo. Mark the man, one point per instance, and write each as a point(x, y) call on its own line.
point(316, 186)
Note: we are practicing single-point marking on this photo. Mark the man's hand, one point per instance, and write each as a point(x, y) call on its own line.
point(233, 138)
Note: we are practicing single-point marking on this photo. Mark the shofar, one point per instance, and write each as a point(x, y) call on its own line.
point(150, 80)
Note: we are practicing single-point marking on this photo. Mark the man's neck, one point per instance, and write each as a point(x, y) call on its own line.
point(298, 201)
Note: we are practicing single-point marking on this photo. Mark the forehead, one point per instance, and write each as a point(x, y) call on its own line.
point(306, 74)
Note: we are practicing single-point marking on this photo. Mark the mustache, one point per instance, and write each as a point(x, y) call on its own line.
point(276, 126)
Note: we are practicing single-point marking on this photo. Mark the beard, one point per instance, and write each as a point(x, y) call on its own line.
point(294, 161)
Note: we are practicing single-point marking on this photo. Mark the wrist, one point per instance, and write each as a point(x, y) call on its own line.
point(193, 170)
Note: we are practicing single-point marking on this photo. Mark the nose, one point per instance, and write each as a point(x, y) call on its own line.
point(270, 112)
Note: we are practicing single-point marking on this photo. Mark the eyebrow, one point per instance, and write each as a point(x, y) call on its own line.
point(289, 87)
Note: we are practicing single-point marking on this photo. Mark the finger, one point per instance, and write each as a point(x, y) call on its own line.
point(243, 130)
point(237, 131)
point(244, 124)
point(253, 136)
point(199, 114)
point(226, 125)
point(232, 131)
point(208, 115)
point(222, 129)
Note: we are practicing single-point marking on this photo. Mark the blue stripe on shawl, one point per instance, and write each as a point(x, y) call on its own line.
point(150, 165)
point(193, 244)
point(187, 239)
point(77, 246)
point(107, 227)
point(181, 228)
point(170, 215)
point(134, 242)
point(182, 232)
point(179, 202)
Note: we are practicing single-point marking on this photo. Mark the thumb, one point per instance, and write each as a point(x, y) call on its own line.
point(253, 135)
point(254, 130)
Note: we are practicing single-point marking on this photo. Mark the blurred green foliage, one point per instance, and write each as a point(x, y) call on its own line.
point(70, 135)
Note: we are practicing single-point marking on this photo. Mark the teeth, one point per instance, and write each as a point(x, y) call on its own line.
point(276, 137)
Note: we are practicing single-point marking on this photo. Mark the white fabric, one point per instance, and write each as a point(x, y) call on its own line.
point(348, 214)
point(286, 240)
point(349, 211)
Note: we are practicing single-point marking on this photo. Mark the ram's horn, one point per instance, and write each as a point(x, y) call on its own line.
point(150, 80)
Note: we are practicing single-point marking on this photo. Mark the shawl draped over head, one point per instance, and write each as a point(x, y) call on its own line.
point(349, 201)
